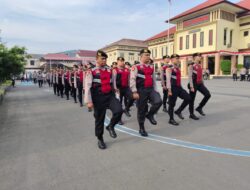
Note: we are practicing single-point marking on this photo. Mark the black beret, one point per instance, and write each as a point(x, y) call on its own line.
point(120, 59)
point(196, 54)
point(145, 51)
point(165, 56)
point(101, 53)
point(175, 56)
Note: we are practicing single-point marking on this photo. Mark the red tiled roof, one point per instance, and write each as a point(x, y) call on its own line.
point(127, 42)
point(59, 56)
point(163, 34)
point(205, 5)
point(244, 3)
point(86, 53)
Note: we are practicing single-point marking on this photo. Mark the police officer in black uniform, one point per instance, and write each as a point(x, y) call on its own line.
point(73, 82)
point(80, 75)
point(66, 78)
point(175, 90)
point(144, 88)
point(121, 77)
point(164, 67)
point(196, 83)
point(59, 81)
point(99, 94)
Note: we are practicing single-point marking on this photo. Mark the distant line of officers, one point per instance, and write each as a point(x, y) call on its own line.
point(121, 86)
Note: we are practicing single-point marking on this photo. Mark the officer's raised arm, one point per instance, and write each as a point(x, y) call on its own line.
point(133, 75)
point(155, 83)
point(88, 84)
point(190, 75)
point(162, 76)
point(168, 74)
point(114, 77)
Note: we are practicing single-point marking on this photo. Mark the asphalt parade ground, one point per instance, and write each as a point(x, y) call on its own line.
point(48, 143)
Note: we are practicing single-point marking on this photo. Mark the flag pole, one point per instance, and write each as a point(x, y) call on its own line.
point(169, 1)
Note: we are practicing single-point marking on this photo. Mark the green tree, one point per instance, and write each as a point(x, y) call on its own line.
point(226, 67)
point(12, 61)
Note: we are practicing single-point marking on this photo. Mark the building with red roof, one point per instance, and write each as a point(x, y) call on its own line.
point(219, 29)
point(53, 60)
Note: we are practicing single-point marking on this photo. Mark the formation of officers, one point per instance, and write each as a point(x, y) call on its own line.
point(121, 86)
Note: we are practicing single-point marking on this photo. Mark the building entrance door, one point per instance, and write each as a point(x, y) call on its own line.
point(247, 62)
point(211, 65)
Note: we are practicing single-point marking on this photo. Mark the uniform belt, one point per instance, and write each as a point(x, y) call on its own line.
point(174, 77)
point(195, 72)
point(141, 76)
point(99, 80)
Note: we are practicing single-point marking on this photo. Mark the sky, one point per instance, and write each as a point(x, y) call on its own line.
point(50, 26)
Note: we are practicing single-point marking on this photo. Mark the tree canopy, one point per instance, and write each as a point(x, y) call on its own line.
point(12, 61)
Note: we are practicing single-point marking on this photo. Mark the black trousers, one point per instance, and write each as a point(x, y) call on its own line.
point(79, 87)
point(126, 95)
point(55, 88)
point(248, 77)
point(181, 93)
point(102, 102)
point(67, 88)
point(40, 83)
point(73, 91)
point(60, 89)
point(48, 81)
point(203, 90)
point(165, 98)
point(242, 77)
point(235, 77)
point(147, 95)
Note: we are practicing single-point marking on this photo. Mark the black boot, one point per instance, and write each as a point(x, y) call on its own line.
point(194, 117)
point(165, 110)
point(151, 119)
point(200, 111)
point(121, 122)
point(111, 131)
point(142, 131)
point(101, 143)
point(127, 113)
point(173, 122)
point(179, 115)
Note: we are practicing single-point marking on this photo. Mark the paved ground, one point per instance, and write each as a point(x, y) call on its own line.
point(48, 143)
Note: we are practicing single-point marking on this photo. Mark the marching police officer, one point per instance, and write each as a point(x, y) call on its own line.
point(196, 84)
point(175, 90)
point(51, 78)
point(59, 81)
point(164, 67)
point(100, 95)
point(79, 75)
point(66, 78)
point(121, 77)
point(143, 86)
point(54, 73)
point(72, 82)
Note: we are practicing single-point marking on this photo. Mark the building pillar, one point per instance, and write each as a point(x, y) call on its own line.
point(233, 62)
point(217, 64)
point(205, 61)
point(184, 66)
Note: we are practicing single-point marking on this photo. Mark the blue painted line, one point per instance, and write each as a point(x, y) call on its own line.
point(180, 143)
point(25, 84)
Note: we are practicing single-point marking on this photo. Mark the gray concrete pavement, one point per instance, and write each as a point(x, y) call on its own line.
point(48, 143)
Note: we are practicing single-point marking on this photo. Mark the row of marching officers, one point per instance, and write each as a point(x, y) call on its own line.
point(67, 82)
point(138, 84)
